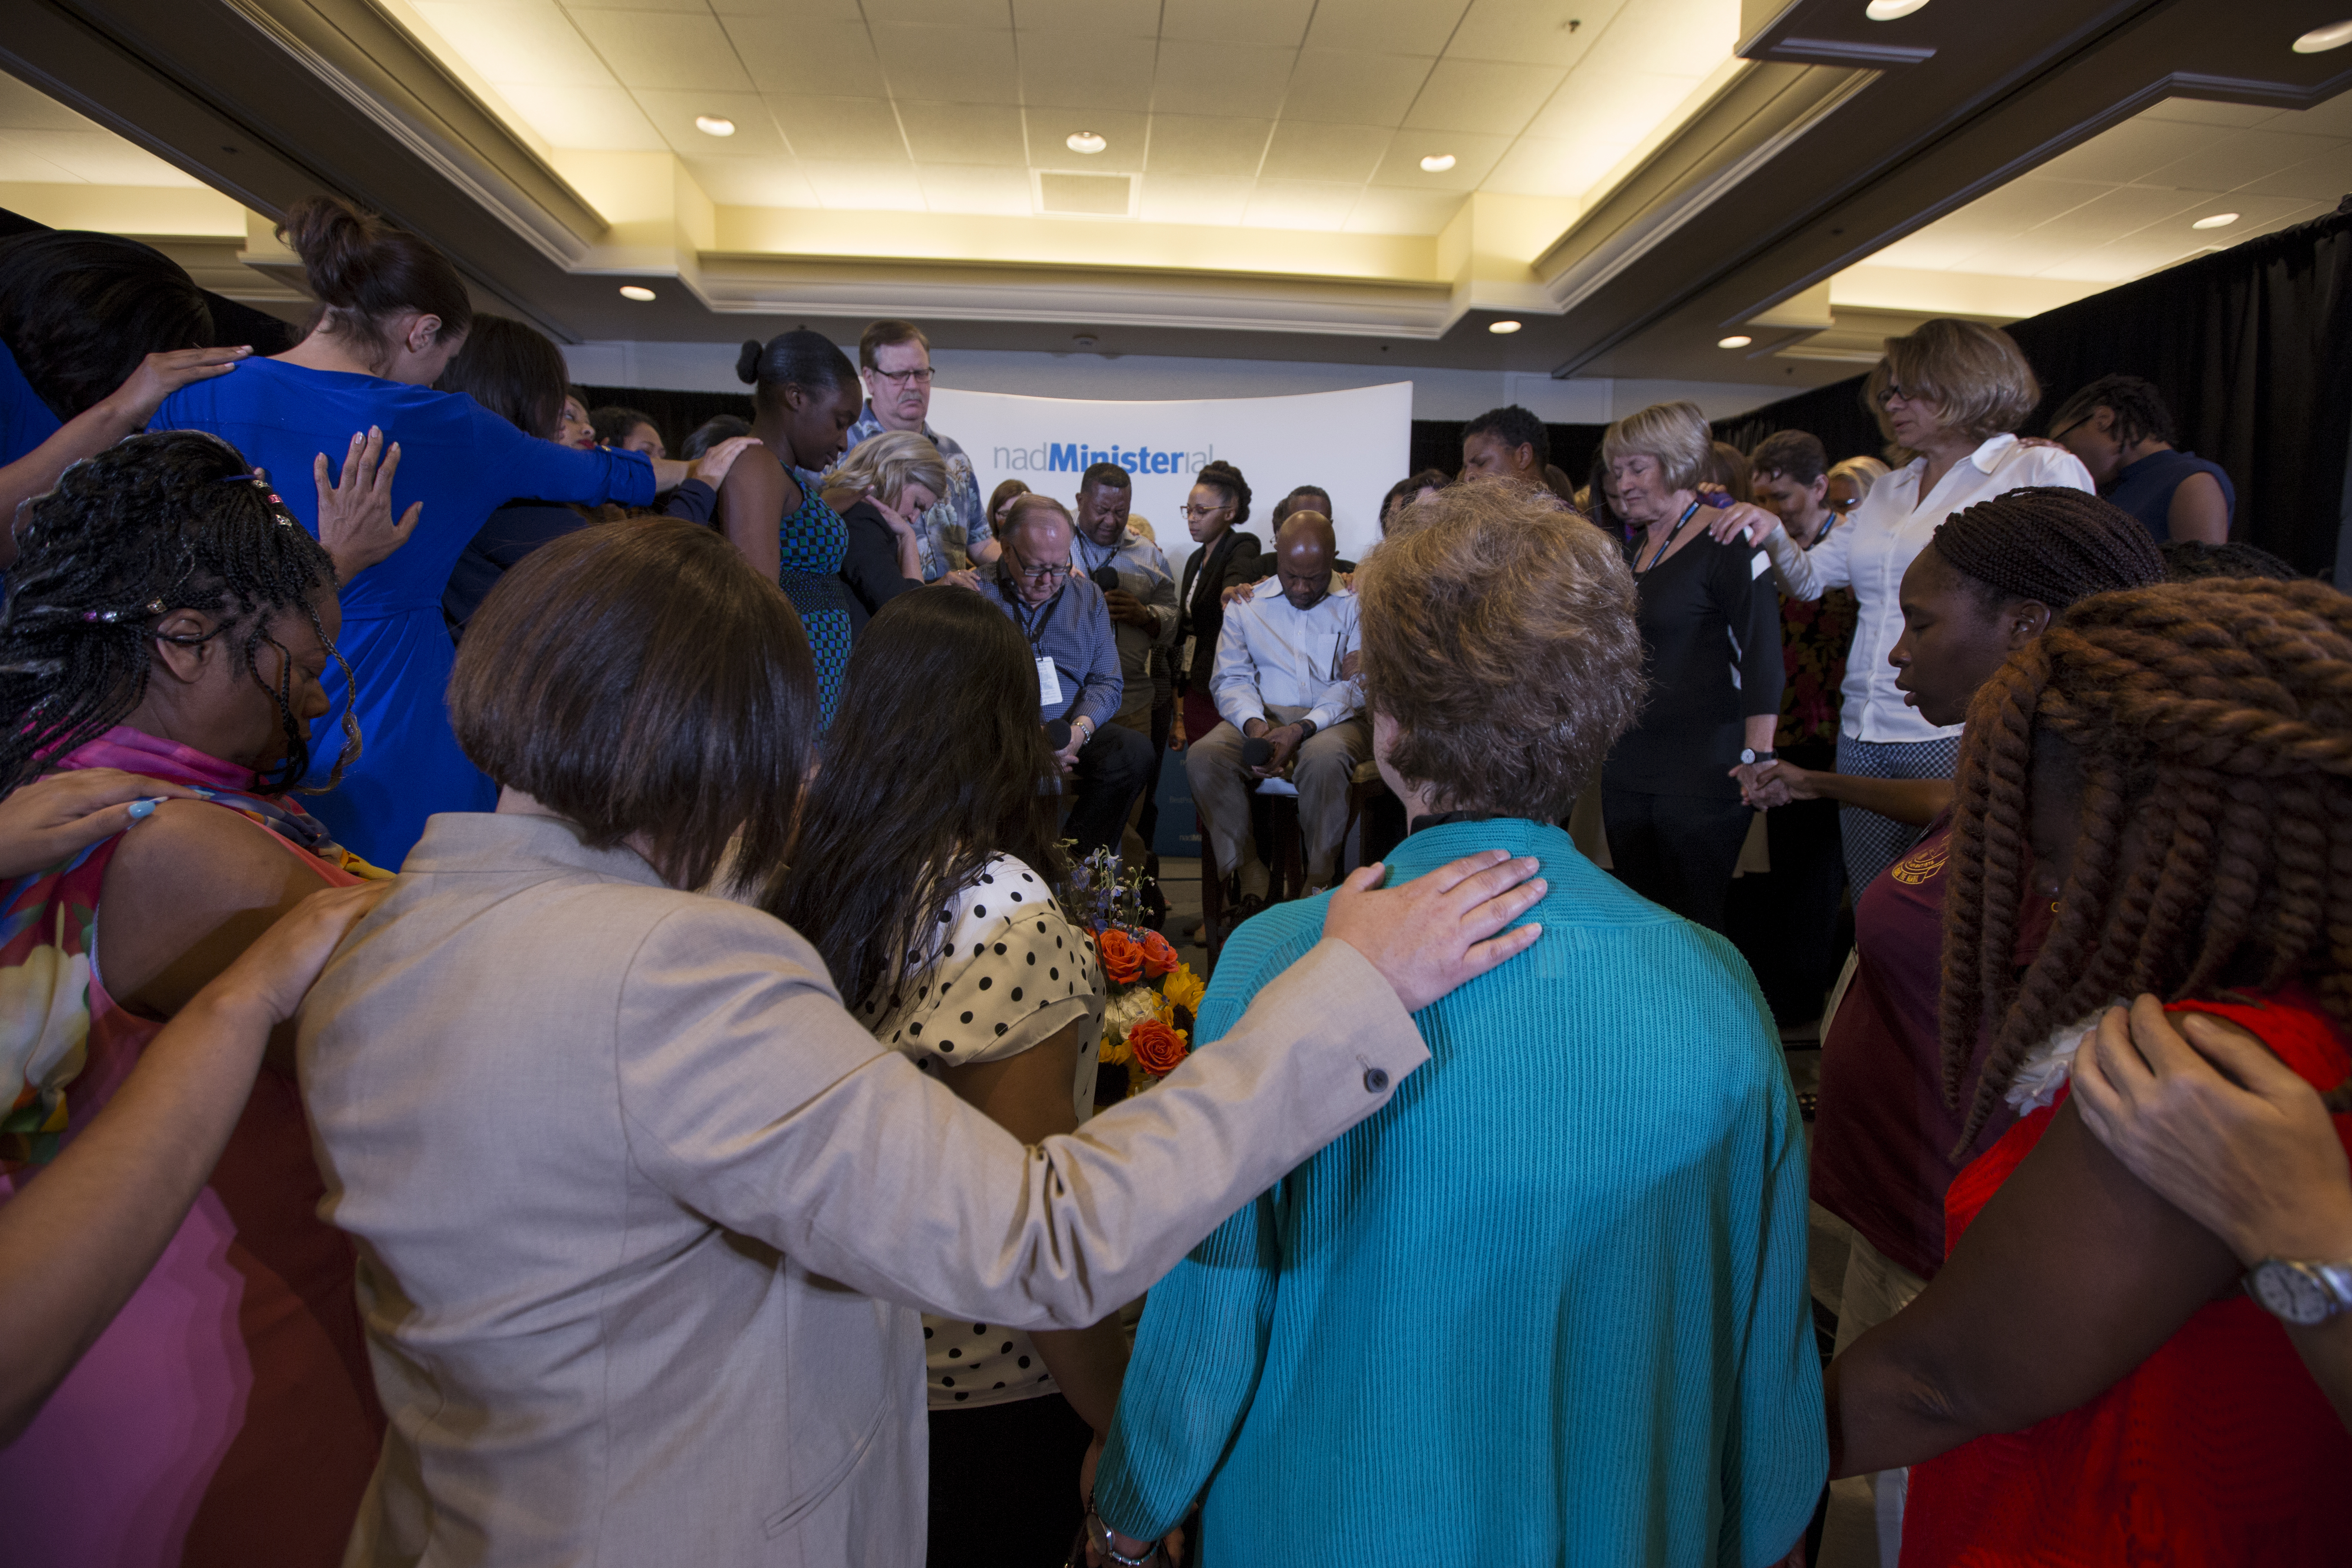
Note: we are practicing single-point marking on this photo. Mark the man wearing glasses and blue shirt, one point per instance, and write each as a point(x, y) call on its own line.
point(1067, 623)
point(894, 360)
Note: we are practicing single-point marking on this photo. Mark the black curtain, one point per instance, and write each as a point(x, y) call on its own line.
point(1437, 444)
point(2251, 348)
point(675, 413)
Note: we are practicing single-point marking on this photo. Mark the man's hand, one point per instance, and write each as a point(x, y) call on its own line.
point(1068, 755)
point(1439, 929)
point(1128, 610)
point(1284, 740)
point(355, 515)
point(44, 821)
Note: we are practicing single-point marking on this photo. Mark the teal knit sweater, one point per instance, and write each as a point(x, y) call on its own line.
point(1546, 1306)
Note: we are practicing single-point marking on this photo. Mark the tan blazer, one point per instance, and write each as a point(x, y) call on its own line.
point(644, 1218)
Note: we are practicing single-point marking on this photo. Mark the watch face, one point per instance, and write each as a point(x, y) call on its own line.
point(2292, 1294)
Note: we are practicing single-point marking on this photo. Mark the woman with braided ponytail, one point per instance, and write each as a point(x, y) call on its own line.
point(169, 617)
point(2171, 769)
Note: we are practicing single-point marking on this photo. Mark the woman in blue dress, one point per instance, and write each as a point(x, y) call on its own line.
point(807, 399)
point(395, 312)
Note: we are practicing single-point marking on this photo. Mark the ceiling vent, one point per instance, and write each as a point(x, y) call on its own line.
point(1086, 196)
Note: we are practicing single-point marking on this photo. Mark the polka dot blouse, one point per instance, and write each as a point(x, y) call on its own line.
point(1010, 973)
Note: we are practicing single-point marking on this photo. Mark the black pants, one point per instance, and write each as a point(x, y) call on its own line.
point(1678, 850)
point(1113, 768)
point(1004, 1484)
point(1787, 923)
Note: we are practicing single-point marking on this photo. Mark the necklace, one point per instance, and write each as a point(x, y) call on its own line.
point(1672, 534)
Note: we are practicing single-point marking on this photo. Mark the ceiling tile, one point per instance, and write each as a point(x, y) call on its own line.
point(835, 58)
point(1672, 37)
point(2126, 210)
point(839, 130)
point(1355, 89)
point(1388, 27)
point(662, 50)
point(90, 154)
point(792, 11)
point(2131, 151)
point(1381, 210)
point(1307, 151)
point(1531, 32)
point(1280, 22)
point(594, 118)
point(1196, 201)
point(2197, 112)
point(1619, 107)
point(1195, 147)
point(2019, 206)
point(1051, 129)
point(2332, 118)
point(1535, 167)
point(972, 189)
point(1482, 94)
point(674, 114)
point(1473, 159)
point(1244, 79)
point(2326, 178)
point(21, 165)
point(1089, 18)
point(948, 64)
point(865, 187)
point(517, 41)
point(752, 182)
point(942, 13)
point(2236, 159)
point(693, 7)
point(965, 133)
point(1300, 204)
point(26, 108)
point(1062, 71)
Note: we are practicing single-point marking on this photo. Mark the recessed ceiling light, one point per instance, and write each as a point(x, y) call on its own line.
point(1503, 329)
point(1736, 341)
point(714, 125)
point(2219, 220)
point(1086, 141)
point(1437, 163)
point(1887, 10)
point(635, 291)
point(2319, 40)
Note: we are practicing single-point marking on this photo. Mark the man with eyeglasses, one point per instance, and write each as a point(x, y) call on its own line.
point(1067, 623)
point(894, 360)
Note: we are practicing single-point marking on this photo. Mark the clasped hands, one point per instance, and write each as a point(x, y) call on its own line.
point(1284, 740)
point(1766, 785)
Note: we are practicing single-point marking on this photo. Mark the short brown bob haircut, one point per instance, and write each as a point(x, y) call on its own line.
point(889, 334)
point(641, 678)
point(1498, 637)
point(1976, 375)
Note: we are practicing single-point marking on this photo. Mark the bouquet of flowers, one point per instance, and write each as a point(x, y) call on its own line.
point(1147, 1026)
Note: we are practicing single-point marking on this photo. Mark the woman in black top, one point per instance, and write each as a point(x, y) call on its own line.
point(1227, 558)
point(881, 489)
point(1710, 620)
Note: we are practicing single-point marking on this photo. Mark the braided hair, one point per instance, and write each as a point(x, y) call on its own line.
point(2138, 408)
point(2047, 543)
point(158, 522)
point(2213, 723)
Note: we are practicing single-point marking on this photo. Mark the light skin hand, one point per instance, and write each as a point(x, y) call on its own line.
point(44, 821)
point(160, 375)
point(1739, 518)
point(355, 514)
point(1439, 929)
point(963, 579)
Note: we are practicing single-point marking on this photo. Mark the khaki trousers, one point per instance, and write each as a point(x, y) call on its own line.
point(1864, 1526)
point(1221, 788)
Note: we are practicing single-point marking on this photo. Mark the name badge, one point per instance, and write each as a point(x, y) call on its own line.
point(1049, 683)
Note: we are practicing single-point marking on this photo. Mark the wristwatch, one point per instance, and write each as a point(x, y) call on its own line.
point(1751, 754)
point(2302, 1294)
point(1106, 1541)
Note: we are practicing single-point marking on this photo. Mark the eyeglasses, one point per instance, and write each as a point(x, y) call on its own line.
point(1040, 574)
point(1200, 513)
point(920, 377)
point(1891, 391)
point(1845, 504)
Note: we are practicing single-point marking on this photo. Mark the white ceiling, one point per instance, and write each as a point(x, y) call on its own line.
point(43, 142)
point(1300, 114)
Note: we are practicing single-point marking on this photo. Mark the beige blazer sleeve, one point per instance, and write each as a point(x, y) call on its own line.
point(747, 1094)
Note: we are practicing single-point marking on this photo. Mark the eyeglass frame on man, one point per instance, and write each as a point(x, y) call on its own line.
point(923, 375)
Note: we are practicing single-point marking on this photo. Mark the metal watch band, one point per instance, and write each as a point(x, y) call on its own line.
point(1103, 1537)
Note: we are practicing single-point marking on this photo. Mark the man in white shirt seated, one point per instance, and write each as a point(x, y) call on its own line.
point(1278, 679)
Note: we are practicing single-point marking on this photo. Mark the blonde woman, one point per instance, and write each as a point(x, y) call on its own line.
point(882, 490)
point(1850, 483)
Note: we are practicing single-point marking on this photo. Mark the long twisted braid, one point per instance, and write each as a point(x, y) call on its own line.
point(2213, 724)
point(159, 522)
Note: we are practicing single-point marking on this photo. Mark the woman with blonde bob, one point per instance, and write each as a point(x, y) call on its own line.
point(1581, 1289)
point(1954, 392)
point(882, 489)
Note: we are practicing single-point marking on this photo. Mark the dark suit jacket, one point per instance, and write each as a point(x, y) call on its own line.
point(1232, 560)
point(870, 564)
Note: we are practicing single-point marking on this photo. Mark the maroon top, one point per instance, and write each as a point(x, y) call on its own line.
point(1881, 1134)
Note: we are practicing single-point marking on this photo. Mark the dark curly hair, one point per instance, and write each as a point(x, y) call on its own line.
point(79, 311)
point(2213, 722)
point(1224, 477)
point(171, 520)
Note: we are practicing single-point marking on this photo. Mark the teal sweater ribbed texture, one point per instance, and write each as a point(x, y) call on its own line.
point(1546, 1306)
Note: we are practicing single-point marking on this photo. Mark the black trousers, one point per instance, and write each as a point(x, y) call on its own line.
point(1113, 768)
point(1004, 1484)
point(1787, 923)
point(1678, 850)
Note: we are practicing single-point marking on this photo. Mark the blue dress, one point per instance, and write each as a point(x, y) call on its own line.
point(25, 420)
point(811, 544)
point(2145, 488)
point(464, 463)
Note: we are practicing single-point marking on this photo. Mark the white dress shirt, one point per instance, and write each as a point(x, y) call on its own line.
point(1271, 652)
point(1870, 552)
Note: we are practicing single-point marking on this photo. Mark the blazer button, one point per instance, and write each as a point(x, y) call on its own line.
point(1375, 1078)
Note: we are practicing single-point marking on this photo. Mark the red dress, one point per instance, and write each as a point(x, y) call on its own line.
point(2217, 1449)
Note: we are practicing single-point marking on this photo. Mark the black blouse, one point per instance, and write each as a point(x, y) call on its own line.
point(1231, 559)
point(1710, 620)
point(870, 565)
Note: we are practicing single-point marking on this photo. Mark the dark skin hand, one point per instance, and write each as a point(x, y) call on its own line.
point(795, 427)
point(1102, 518)
point(1303, 551)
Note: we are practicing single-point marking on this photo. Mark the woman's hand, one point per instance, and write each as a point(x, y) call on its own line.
point(355, 515)
point(712, 466)
point(966, 578)
point(1739, 517)
point(273, 974)
point(1239, 591)
point(43, 823)
point(162, 374)
point(1777, 784)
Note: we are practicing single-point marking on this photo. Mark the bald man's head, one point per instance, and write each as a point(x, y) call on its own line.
point(1303, 553)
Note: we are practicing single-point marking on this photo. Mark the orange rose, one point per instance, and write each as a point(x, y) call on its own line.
point(1158, 955)
point(1157, 1048)
point(1122, 958)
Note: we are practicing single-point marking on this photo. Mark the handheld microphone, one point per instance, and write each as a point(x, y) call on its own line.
point(1257, 752)
point(1105, 577)
point(1057, 734)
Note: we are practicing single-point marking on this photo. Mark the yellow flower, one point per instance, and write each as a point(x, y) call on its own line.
point(1184, 989)
point(44, 1030)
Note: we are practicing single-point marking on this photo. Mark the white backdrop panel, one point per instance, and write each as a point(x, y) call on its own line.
point(1355, 444)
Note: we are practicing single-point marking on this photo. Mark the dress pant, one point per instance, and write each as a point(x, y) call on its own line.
point(1221, 788)
point(1863, 1527)
point(1678, 850)
point(1113, 767)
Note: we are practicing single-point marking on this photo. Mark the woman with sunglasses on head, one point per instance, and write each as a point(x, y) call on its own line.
point(170, 617)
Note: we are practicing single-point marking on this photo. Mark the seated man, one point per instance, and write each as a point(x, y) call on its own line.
point(1068, 626)
point(1279, 678)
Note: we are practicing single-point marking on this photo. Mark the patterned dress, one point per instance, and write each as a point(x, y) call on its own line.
point(810, 542)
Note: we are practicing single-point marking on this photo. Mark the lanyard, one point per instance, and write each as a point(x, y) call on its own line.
point(1087, 548)
point(1034, 626)
point(1827, 529)
point(1672, 534)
